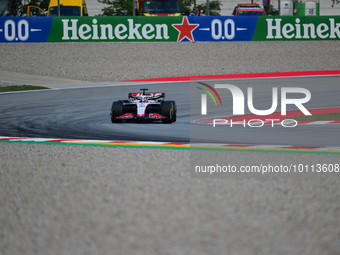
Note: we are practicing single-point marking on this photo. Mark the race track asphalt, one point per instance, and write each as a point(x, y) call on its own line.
point(84, 113)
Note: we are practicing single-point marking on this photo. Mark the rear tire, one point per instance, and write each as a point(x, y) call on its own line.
point(116, 110)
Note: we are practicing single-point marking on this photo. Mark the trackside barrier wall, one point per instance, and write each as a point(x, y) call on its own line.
point(174, 29)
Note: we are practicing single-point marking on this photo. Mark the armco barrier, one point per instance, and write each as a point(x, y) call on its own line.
point(176, 29)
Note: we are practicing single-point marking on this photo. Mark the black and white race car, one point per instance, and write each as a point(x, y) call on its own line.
point(144, 107)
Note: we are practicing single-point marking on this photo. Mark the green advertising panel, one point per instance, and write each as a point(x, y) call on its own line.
point(297, 28)
point(168, 29)
point(94, 29)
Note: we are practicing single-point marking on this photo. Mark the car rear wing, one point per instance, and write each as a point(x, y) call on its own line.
point(153, 96)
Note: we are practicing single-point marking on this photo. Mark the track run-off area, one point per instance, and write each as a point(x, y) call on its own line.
point(81, 115)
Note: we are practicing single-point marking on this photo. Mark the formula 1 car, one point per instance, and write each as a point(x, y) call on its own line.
point(144, 107)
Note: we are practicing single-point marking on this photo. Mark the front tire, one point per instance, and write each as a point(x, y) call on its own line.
point(116, 110)
point(169, 110)
point(174, 115)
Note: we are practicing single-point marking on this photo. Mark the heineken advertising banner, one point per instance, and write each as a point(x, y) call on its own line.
point(172, 29)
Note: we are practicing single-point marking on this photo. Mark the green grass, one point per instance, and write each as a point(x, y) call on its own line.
point(319, 117)
point(20, 88)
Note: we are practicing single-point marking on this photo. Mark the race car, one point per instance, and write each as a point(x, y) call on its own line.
point(144, 107)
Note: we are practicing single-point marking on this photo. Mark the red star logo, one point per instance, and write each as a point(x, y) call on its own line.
point(185, 29)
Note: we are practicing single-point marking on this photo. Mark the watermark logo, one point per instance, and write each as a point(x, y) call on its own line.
point(299, 97)
point(204, 97)
point(238, 99)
